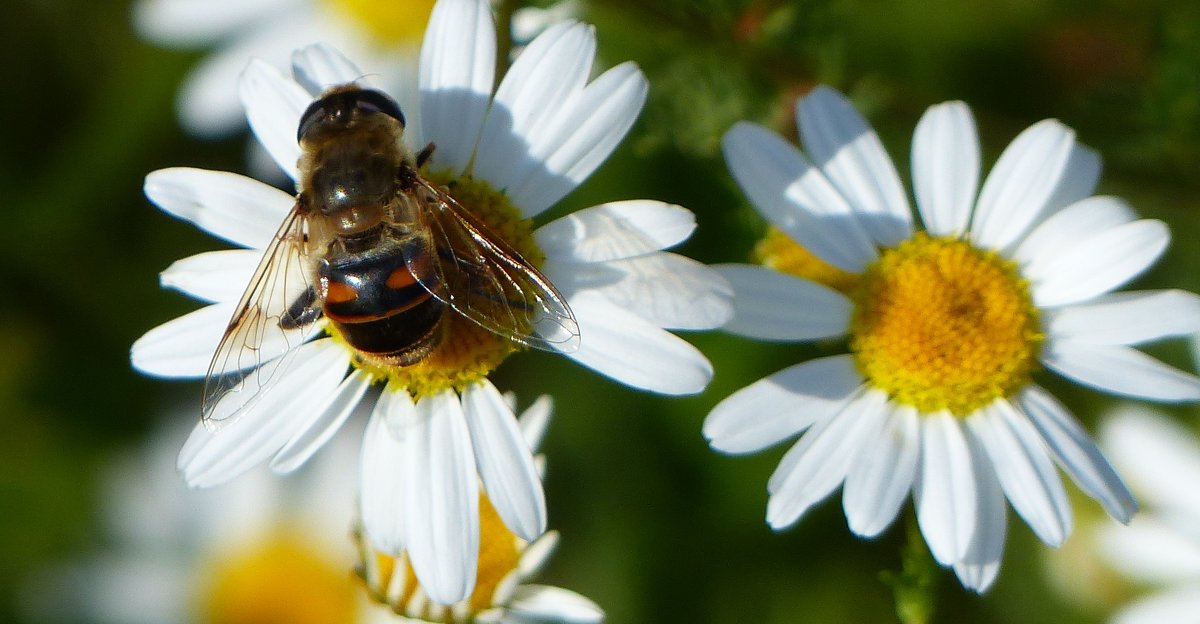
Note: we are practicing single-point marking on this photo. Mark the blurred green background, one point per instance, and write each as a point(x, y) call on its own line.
point(655, 526)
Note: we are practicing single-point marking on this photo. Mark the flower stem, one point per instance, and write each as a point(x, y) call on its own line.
point(914, 585)
point(504, 38)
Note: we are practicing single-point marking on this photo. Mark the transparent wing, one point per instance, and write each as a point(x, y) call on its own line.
point(484, 279)
point(276, 314)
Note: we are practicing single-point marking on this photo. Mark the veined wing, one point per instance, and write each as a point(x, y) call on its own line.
point(276, 314)
point(484, 279)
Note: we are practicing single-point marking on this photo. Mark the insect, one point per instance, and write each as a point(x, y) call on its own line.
point(381, 253)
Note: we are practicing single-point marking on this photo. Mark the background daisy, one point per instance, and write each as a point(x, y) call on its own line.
point(945, 326)
point(261, 549)
point(1160, 549)
point(384, 36)
point(546, 129)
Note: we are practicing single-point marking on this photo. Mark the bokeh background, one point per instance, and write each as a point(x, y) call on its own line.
point(655, 526)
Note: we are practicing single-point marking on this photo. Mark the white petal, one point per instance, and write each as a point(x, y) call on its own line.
point(625, 347)
point(184, 23)
point(1159, 457)
point(1076, 453)
point(273, 105)
point(945, 168)
point(458, 64)
point(535, 419)
point(1178, 606)
point(580, 138)
point(1127, 318)
point(320, 66)
point(537, 554)
point(1072, 225)
point(1120, 370)
point(540, 603)
point(552, 69)
point(1024, 470)
point(781, 405)
point(818, 463)
point(1150, 551)
point(1079, 179)
point(614, 231)
point(979, 566)
point(210, 458)
point(241, 210)
point(1098, 265)
point(326, 422)
point(882, 476)
point(770, 305)
point(1018, 190)
point(182, 347)
point(382, 468)
point(441, 498)
point(945, 491)
point(505, 462)
point(851, 156)
point(796, 197)
point(668, 290)
point(214, 275)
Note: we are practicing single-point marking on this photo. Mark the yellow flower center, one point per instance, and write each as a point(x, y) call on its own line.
point(499, 553)
point(465, 352)
point(280, 580)
point(389, 22)
point(777, 251)
point(941, 325)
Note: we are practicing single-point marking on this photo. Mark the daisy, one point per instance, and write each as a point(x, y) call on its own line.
point(945, 325)
point(1160, 548)
point(384, 36)
point(508, 158)
point(260, 549)
point(506, 562)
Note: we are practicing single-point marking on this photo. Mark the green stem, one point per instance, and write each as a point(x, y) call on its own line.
point(504, 40)
point(914, 585)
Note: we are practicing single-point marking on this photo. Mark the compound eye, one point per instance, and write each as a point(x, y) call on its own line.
point(372, 101)
point(312, 115)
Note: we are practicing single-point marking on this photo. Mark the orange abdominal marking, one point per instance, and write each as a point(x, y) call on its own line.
point(341, 293)
point(400, 278)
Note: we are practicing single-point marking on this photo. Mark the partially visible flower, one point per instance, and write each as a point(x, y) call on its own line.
point(1160, 548)
point(508, 157)
point(384, 36)
point(506, 562)
point(258, 550)
point(945, 326)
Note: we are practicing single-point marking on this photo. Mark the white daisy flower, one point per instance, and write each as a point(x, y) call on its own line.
point(1161, 547)
point(945, 326)
point(545, 130)
point(384, 36)
point(506, 562)
point(258, 550)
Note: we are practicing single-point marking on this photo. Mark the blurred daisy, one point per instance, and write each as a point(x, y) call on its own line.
point(506, 562)
point(384, 36)
point(258, 550)
point(508, 158)
point(1161, 547)
point(945, 326)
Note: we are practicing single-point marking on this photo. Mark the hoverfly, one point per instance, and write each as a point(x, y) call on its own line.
point(381, 253)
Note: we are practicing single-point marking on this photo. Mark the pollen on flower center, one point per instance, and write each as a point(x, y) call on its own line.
point(280, 580)
point(395, 22)
point(465, 352)
point(941, 325)
point(393, 582)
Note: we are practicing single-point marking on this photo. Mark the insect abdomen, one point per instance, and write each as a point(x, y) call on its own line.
point(378, 306)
